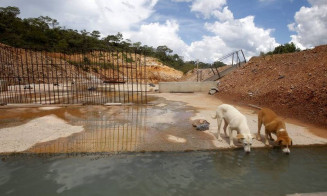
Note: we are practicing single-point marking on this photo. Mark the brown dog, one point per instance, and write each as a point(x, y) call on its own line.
point(274, 124)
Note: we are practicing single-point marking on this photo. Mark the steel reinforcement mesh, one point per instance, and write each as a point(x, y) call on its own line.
point(95, 77)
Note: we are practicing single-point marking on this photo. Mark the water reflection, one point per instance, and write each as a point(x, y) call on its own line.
point(119, 129)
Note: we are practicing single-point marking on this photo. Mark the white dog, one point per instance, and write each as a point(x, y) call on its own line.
point(234, 120)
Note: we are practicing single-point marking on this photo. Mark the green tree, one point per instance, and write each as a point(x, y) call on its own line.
point(95, 34)
point(286, 48)
point(218, 64)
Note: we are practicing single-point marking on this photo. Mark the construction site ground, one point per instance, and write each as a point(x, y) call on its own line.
point(165, 124)
point(294, 85)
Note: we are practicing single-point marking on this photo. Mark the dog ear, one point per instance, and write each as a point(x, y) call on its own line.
point(278, 142)
point(240, 136)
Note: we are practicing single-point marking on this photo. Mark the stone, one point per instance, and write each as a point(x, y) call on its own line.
point(201, 124)
point(213, 91)
point(281, 77)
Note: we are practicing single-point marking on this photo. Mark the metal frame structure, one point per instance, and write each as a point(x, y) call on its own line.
point(235, 62)
point(93, 77)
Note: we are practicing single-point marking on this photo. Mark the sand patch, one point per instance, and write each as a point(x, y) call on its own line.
point(43, 129)
point(161, 105)
point(175, 139)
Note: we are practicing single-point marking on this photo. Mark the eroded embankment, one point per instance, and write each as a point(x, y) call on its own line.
point(294, 85)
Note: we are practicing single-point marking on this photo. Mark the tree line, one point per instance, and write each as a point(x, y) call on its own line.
point(281, 49)
point(45, 33)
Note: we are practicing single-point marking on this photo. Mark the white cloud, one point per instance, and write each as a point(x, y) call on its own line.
point(229, 34)
point(208, 49)
point(129, 16)
point(109, 17)
point(155, 34)
point(207, 7)
point(223, 15)
point(310, 25)
point(243, 34)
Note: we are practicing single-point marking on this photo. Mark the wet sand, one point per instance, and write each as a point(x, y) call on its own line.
point(206, 105)
point(163, 125)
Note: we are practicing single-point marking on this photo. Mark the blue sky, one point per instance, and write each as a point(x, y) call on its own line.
point(194, 29)
point(268, 14)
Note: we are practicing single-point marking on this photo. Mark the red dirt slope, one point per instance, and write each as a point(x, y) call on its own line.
point(294, 85)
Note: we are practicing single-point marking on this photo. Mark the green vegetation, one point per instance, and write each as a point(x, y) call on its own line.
point(281, 49)
point(44, 33)
point(127, 59)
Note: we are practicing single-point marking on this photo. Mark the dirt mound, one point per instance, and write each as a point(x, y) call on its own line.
point(158, 72)
point(203, 74)
point(294, 85)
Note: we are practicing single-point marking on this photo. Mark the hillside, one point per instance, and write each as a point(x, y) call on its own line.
point(96, 62)
point(294, 84)
point(203, 74)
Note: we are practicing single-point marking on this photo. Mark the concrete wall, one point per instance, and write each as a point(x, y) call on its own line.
point(186, 87)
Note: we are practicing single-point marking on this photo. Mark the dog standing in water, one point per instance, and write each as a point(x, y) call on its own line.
point(274, 124)
point(234, 120)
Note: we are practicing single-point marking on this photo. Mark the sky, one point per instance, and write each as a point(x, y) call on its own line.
point(202, 30)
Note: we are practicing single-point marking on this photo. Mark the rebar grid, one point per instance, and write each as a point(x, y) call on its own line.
point(95, 77)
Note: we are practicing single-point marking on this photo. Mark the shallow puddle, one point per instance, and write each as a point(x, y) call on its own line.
point(161, 126)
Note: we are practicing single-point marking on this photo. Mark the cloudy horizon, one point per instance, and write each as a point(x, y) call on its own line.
point(194, 29)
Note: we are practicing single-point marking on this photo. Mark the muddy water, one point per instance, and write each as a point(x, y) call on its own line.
point(263, 172)
point(161, 126)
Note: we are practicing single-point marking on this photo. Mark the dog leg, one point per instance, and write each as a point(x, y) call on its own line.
point(231, 142)
point(219, 121)
point(271, 139)
point(266, 138)
point(225, 126)
point(259, 127)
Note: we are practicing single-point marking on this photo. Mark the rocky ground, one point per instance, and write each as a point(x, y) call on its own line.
point(294, 85)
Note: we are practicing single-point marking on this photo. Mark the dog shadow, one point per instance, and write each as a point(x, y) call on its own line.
point(226, 139)
point(263, 140)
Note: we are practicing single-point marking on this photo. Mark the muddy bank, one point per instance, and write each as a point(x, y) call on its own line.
point(302, 134)
point(317, 129)
point(163, 125)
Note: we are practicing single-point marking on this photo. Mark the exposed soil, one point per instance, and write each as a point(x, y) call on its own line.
point(202, 74)
point(294, 85)
point(158, 72)
point(50, 67)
